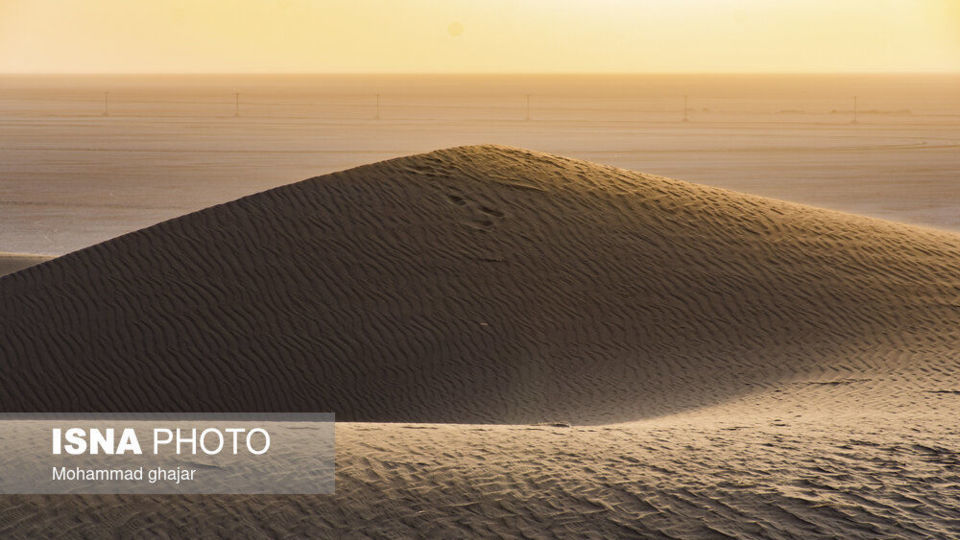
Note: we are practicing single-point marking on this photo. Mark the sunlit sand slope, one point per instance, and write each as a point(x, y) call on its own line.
point(480, 284)
point(739, 478)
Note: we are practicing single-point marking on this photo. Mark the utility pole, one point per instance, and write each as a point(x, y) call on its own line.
point(106, 104)
point(528, 108)
point(685, 118)
point(854, 110)
point(378, 107)
point(236, 104)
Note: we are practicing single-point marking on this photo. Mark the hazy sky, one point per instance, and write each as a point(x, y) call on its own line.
point(181, 36)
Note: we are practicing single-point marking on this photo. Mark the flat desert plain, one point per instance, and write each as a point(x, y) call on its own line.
point(72, 177)
point(521, 344)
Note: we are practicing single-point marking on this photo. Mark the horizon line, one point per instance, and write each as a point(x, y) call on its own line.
point(465, 73)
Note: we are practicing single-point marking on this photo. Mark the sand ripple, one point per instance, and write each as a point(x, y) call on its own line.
point(730, 365)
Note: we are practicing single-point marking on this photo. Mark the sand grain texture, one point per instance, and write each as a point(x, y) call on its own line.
point(731, 365)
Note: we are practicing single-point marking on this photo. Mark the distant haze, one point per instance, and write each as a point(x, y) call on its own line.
point(493, 36)
point(73, 176)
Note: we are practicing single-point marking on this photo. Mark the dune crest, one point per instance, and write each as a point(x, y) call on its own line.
point(480, 284)
point(14, 262)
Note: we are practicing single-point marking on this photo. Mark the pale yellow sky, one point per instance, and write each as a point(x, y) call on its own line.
point(532, 36)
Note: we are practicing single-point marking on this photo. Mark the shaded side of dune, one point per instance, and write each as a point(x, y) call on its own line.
point(476, 284)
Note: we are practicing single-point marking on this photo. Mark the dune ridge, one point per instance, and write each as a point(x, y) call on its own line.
point(14, 262)
point(480, 284)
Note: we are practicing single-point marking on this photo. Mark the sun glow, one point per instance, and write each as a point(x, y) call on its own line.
point(610, 36)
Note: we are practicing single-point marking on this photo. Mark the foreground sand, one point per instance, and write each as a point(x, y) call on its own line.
point(698, 477)
point(729, 364)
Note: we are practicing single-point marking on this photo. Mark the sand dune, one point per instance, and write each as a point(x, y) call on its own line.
point(13, 262)
point(478, 284)
point(730, 365)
